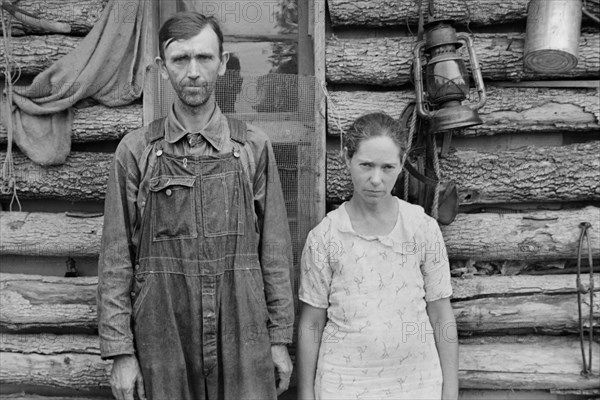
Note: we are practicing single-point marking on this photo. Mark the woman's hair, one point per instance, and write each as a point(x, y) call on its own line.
point(373, 125)
point(185, 25)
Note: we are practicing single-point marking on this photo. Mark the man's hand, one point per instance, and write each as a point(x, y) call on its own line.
point(126, 378)
point(283, 367)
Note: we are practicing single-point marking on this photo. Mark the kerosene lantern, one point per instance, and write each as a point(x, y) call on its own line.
point(446, 79)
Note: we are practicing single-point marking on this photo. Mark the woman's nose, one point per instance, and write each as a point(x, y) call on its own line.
point(376, 176)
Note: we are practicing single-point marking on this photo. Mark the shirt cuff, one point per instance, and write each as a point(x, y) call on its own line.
point(281, 335)
point(112, 348)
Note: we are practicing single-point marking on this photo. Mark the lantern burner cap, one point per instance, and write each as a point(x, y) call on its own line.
point(440, 33)
point(454, 117)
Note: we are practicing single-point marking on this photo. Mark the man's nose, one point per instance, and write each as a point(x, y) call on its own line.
point(193, 70)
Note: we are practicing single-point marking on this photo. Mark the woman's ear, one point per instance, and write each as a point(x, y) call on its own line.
point(344, 156)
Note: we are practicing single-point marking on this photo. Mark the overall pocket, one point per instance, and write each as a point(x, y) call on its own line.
point(141, 284)
point(222, 204)
point(174, 207)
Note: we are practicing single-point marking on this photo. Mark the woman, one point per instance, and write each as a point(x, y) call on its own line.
point(376, 321)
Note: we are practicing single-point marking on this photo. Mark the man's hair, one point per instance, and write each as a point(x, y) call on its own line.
point(185, 25)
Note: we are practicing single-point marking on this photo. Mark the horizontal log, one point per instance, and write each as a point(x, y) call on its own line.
point(529, 174)
point(564, 173)
point(48, 234)
point(99, 123)
point(83, 176)
point(47, 304)
point(518, 285)
point(23, 396)
point(388, 61)
point(507, 110)
point(33, 54)
point(527, 237)
point(58, 361)
point(538, 313)
point(520, 363)
point(377, 13)
point(81, 15)
point(524, 363)
point(33, 303)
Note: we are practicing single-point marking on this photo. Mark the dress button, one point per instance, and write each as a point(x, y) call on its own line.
point(159, 153)
point(169, 192)
point(137, 266)
point(132, 294)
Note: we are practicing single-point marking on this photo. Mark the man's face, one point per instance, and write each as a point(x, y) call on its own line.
point(193, 66)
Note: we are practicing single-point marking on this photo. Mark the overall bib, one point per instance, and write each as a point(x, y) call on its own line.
point(199, 310)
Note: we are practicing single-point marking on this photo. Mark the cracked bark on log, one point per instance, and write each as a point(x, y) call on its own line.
point(530, 174)
point(388, 61)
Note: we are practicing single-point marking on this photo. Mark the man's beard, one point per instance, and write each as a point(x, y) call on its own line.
point(195, 95)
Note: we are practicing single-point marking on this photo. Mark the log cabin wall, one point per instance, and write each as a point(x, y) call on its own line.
point(514, 291)
point(526, 179)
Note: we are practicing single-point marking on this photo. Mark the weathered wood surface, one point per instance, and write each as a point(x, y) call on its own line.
point(563, 173)
point(377, 13)
point(48, 234)
point(528, 362)
point(538, 313)
point(24, 396)
point(81, 15)
point(33, 54)
point(518, 285)
point(59, 361)
point(507, 110)
point(527, 237)
point(99, 123)
point(83, 176)
point(522, 237)
point(529, 174)
point(388, 61)
point(548, 304)
point(47, 303)
point(524, 363)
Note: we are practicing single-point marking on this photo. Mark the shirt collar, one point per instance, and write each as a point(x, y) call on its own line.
point(215, 132)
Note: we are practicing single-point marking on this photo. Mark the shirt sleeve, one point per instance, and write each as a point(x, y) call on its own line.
point(315, 272)
point(115, 269)
point(275, 247)
point(435, 266)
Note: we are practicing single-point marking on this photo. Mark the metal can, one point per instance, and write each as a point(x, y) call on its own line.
point(552, 36)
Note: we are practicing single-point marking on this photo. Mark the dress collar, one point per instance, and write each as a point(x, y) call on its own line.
point(214, 132)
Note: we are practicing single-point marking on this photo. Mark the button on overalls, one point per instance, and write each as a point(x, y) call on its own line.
point(199, 310)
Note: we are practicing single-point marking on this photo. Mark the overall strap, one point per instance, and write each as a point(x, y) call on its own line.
point(156, 130)
point(237, 129)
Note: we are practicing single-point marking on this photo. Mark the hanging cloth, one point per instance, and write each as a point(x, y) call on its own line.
point(108, 66)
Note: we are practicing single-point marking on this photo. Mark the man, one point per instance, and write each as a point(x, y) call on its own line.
point(194, 293)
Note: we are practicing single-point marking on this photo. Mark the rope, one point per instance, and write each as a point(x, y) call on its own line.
point(334, 114)
point(587, 368)
point(8, 174)
point(436, 168)
point(409, 140)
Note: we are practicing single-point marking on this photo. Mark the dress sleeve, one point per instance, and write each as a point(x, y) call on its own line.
point(315, 271)
point(435, 266)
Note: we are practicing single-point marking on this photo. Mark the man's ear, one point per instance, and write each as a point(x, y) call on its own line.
point(161, 67)
point(223, 64)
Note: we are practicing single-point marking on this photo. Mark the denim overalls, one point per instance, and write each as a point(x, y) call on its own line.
point(199, 310)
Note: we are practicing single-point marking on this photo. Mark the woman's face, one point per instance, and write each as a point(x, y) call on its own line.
point(374, 168)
